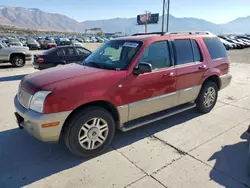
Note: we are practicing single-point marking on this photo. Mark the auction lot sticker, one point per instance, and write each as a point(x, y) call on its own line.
point(130, 44)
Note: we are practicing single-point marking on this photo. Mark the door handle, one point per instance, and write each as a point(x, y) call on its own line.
point(169, 74)
point(202, 67)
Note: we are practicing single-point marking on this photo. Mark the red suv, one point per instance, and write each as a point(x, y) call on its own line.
point(126, 83)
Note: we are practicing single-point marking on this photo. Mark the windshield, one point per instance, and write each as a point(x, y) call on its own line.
point(114, 55)
point(31, 41)
point(13, 40)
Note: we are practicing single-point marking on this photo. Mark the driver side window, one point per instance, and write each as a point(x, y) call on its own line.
point(157, 54)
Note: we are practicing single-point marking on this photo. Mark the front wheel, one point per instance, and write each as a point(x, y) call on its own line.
point(207, 97)
point(17, 61)
point(89, 132)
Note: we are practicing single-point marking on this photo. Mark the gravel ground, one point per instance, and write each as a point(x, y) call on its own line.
point(239, 56)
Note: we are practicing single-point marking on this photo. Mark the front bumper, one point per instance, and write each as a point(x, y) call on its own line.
point(225, 80)
point(33, 121)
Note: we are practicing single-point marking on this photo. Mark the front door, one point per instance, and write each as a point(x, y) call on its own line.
point(152, 92)
point(190, 67)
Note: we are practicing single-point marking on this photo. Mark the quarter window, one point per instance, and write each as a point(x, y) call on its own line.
point(157, 54)
point(184, 51)
point(215, 48)
point(82, 51)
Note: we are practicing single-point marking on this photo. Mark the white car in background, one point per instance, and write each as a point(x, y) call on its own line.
point(93, 39)
point(13, 44)
point(76, 43)
point(87, 39)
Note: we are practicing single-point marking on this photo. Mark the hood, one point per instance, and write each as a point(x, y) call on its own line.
point(50, 77)
point(16, 49)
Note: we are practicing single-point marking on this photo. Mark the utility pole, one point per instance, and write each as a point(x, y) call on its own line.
point(168, 15)
point(163, 15)
point(146, 22)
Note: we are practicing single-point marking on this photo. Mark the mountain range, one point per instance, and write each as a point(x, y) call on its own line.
point(37, 19)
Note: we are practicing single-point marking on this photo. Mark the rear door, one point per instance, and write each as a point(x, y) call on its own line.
point(71, 55)
point(82, 53)
point(190, 68)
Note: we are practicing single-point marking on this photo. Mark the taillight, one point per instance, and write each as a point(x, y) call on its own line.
point(40, 60)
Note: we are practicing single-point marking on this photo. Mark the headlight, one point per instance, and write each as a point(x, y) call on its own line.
point(37, 101)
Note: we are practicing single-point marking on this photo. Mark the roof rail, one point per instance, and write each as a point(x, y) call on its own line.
point(175, 33)
point(152, 33)
point(189, 33)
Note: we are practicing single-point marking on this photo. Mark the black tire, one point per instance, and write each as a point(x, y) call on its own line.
point(17, 61)
point(200, 106)
point(76, 122)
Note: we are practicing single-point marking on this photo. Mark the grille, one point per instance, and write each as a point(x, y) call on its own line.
point(24, 98)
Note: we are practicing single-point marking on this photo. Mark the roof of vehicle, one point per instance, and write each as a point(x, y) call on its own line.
point(172, 35)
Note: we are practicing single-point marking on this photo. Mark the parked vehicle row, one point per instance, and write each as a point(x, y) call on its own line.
point(36, 43)
point(235, 42)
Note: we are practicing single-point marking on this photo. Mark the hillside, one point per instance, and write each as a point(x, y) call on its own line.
point(37, 19)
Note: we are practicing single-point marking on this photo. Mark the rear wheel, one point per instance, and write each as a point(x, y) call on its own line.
point(207, 97)
point(17, 61)
point(89, 132)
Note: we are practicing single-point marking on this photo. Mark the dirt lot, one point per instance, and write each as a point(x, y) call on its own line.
point(186, 150)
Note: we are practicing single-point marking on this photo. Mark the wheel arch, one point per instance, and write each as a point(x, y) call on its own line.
point(16, 54)
point(215, 79)
point(103, 104)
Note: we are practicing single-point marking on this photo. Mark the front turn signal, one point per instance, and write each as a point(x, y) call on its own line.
point(50, 124)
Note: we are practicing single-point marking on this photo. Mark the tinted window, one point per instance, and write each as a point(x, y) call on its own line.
point(60, 52)
point(82, 51)
point(215, 48)
point(70, 51)
point(197, 51)
point(184, 51)
point(157, 54)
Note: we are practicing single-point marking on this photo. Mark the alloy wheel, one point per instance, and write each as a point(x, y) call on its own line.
point(93, 133)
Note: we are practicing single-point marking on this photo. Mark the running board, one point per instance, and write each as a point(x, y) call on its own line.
point(156, 117)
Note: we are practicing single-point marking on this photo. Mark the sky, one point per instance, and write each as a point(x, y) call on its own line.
point(217, 11)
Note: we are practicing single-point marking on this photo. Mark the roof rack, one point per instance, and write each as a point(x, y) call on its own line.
point(175, 33)
point(152, 33)
point(189, 33)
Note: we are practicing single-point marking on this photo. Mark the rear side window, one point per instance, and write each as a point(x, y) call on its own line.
point(215, 48)
point(197, 51)
point(184, 51)
point(82, 51)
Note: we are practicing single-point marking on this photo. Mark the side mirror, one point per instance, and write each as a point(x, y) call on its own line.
point(143, 68)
